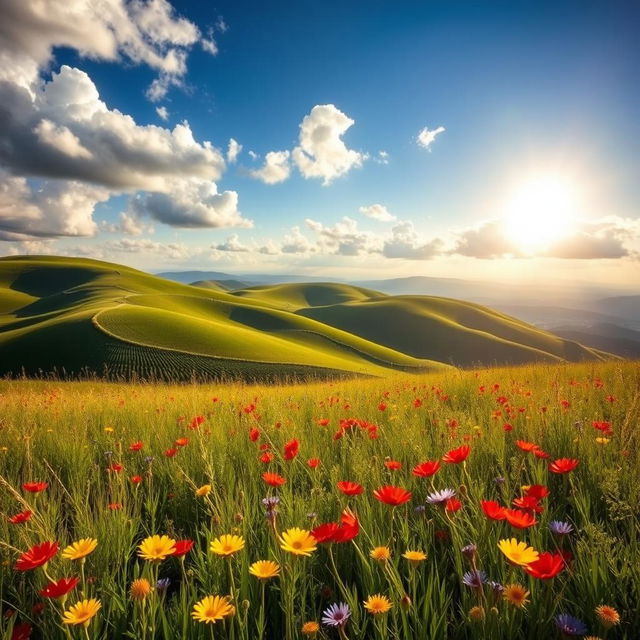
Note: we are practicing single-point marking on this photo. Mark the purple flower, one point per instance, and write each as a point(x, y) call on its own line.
point(499, 481)
point(469, 551)
point(569, 625)
point(560, 528)
point(336, 615)
point(271, 502)
point(474, 579)
point(163, 584)
point(440, 497)
point(420, 509)
point(496, 587)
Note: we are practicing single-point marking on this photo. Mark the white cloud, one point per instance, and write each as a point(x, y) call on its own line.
point(405, 243)
point(253, 155)
point(296, 242)
point(232, 244)
point(172, 251)
point(269, 249)
point(130, 225)
point(321, 152)
point(276, 168)
point(377, 212)
point(209, 45)
point(426, 136)
point(60, 138)
point(382, 157)
point(233, 151)
point(27, 247)
point(343, 238)
point(162, 113)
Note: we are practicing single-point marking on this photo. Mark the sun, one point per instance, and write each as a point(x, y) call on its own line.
point(539, 211)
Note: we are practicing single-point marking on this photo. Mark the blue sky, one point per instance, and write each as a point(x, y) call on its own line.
point(527, 93)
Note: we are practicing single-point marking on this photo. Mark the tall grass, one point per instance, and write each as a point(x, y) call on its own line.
point(67, 434)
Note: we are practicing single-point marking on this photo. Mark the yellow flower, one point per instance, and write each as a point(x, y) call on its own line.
point(476, 614)
point(516, 594)
point(211, 609)
point(607, 616)
point(156, 548)
point(140, 589)
point(227, 545)
point(204, 490)
point(298, 541)
point(108, 429)
point(377, 604)
point(381, 554)
point(80, 549)
point(518, 553)
point(81, 612)
point(415, 557)
point(310, 629)
point(603, 440)
point(264, 569)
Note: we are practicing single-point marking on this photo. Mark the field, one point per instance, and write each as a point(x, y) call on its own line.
point(552, 461)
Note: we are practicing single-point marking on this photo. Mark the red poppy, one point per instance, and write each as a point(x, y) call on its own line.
point(453, 504)
point(349, 526)
point(266, 457)
point(170, 452)
point(393, 496)
point(265, 446)
point(21, 517)
point(394, 465)
point(563, 465)
point(136, 479)
point(519, 519)
point(382, 406)
point(38, 555)
point(115, 467)
point(539, 453)
point(182, 547)
point(196, 422)
point(182, 442)
point(323, 422)
point(21, 631)
point(492, 510)
point(458, 455)
point(35, 487)
point(136, 446)
point(254, 434)
point(426, 469)
point(114, 506)
point(350, 488)
point(38, 608)
point(59, 588)
point(313, 462)
point(325, 532)
point(507, 427)
point(528, 503)
point(525, 446)
point(547, 566)
point(273, 479)
point(417, 403)
point(291, 449)
point(536, 491)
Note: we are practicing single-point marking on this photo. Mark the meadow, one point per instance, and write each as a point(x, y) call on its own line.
point(497, 503)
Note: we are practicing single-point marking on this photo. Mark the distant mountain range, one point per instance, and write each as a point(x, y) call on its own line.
point(76, 315)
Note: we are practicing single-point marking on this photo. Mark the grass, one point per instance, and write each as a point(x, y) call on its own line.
point(68, 434)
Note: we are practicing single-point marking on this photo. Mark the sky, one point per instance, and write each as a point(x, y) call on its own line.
point(347, 139)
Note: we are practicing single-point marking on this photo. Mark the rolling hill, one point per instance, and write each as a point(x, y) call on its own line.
point(80, 316)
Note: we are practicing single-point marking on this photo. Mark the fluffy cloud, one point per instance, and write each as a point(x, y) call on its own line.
point(232, 244)
point(343, 238)
point(377, 212)
point(426, 136)
point(171, 251)
point(321, 152)
point(296, 242)
point(405, 243)
point(162, 112)
point(233, 150)
point(276, 168)
point(128, 224)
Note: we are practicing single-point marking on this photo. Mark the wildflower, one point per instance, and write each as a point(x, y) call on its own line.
point(140, 589)
point(81, 612)
point(452, 505)
point(469, 551)
point(226, 545)
point(35, 487)
point(81, 549)
point(336, 615)
point(313, 463)
point(136, 446)
point(59, 588)
point(156, 548)
point(291, 449)
point(563, 465)
point(518, 553)
point(299, 542)
point(211, 609)
point(114, 506)
point(21, 631)
point(37, 556)
point(182, 547)
point(271, 502)
point(171, 452)
point(607, 616)
point(474, 579)
point(569, 625)
point(426, 469)
point(264, 569)
point(493, 510)
point(455, 456)
point(381, 554)
point(254, 434)
point(496, 587)
point(415, 557)
point(393, 496)
point(203, 491)
point(162, 585)
point(136, 479)
point(440, 497)
point(516, 595)
point(538, 491)
point(527, 447)
point(350, 488)
point(181, 442)
point(392, 465)
point(560, 528)
point(377, 604)
point(310, 629)
point(21, 517)
point(273, 479)
point(477, 614)
point(547, 566)
point(115, 467)
point(519, 519)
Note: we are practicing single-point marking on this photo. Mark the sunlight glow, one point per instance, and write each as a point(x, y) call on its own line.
point(539, 211)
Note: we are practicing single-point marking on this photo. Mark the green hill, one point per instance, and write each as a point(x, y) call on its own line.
point(80, 316)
